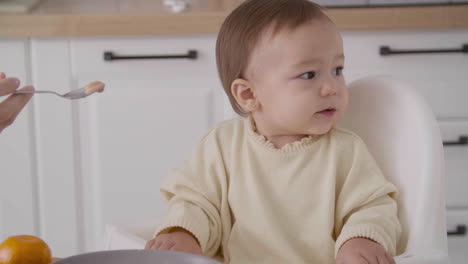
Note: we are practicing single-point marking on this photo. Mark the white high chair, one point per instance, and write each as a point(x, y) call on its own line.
point(402, 134)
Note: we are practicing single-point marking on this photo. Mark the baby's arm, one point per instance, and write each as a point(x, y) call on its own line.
point(366, 221)
point(369, 233)
point(196, 201)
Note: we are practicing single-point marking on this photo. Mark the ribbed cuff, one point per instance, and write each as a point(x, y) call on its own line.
point(196, 228)
point(364, 230)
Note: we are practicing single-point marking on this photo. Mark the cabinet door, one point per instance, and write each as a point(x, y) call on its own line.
point(131, 136)
point(457, 221)
point(57, 172)
point(18, 183)
point(456, 166)
point(145, 123)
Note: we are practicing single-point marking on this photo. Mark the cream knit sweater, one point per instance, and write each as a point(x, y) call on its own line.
point(248, 202)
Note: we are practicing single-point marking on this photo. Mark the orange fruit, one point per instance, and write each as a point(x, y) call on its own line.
point(24, 249)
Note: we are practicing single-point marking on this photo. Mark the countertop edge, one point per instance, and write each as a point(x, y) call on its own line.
point(347, 19)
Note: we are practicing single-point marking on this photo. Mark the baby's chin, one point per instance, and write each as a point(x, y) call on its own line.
point(318, 126)
point(320, 130)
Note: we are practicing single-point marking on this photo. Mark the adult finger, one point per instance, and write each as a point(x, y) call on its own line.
point(10, 108)
point(15, 102)
point(8, 85)
point(2, 75)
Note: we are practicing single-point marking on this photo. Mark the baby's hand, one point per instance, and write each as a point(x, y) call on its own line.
point(178, 240)
point(363, 250)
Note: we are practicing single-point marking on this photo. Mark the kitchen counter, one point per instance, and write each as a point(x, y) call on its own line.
point(69, 18)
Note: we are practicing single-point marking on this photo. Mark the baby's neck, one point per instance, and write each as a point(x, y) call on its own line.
point(277, 139)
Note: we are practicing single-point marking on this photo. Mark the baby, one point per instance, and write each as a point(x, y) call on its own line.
point(281, 184)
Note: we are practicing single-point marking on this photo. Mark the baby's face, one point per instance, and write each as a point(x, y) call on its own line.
point(296, 75)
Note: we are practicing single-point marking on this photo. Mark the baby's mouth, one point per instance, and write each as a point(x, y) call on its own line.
point(327, 113)
point(328, 110)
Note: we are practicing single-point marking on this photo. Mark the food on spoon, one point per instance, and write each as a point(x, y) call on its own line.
point(94, 87)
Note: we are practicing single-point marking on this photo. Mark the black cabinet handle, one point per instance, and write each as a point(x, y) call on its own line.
point(387, 51)
point(460, 231)
point(110, 56)
point(462, 140)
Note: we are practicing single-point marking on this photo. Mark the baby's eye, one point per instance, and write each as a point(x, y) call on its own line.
point(308, 75)
point(338, 71)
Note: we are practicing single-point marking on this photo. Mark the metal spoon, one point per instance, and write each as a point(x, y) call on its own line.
point(87, 90)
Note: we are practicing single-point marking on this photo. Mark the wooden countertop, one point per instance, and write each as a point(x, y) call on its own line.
point(68, 18)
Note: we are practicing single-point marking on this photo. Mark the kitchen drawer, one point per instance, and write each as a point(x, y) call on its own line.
point(456, 162)
point(457, 221)
point(88, 55)
point(441, 78)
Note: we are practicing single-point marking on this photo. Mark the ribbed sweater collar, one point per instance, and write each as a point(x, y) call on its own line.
point(296, 146)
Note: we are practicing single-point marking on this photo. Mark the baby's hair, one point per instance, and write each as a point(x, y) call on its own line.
point(243, 28)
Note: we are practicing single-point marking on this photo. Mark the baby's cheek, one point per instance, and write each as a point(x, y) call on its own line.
point(345, 98)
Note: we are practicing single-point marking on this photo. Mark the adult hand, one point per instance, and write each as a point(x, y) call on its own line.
point(10, 107)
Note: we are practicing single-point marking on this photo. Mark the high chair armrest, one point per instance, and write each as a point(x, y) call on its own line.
point(129, 235)
point(118, 238)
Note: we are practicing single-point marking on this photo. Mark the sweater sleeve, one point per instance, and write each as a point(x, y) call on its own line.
point(366, 205)
point(196, 195)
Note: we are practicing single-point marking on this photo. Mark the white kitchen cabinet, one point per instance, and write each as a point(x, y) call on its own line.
point(70, 167)
point(441, 78)
point(36, 152)
point(115, 148)
point(131, 136)
point(56, 136)
point(457, 221)
point(18, 181)
point(456, 165)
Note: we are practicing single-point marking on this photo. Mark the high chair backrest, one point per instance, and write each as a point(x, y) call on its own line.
point(402, 134)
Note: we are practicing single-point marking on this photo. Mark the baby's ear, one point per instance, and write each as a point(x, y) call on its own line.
point(244, 94)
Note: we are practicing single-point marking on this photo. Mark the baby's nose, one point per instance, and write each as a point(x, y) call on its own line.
point(328, 89)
